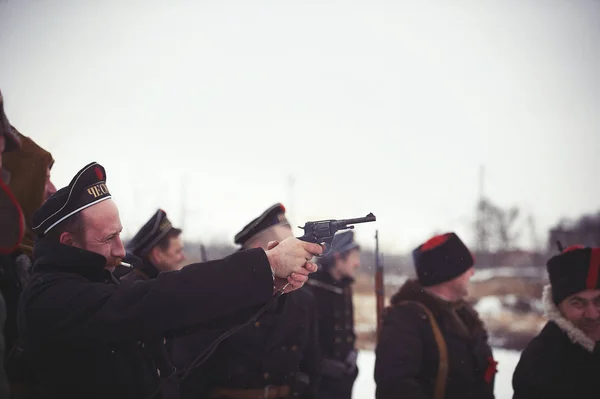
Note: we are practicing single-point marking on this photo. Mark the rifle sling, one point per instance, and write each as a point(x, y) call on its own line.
point(442, 374)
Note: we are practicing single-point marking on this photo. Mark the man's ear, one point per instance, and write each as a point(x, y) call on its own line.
point(154, 255)
point(66, 238)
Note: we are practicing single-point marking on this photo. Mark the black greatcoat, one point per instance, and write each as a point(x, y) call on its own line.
point(279, 349)
point(560, 363)
point(407, 356)
point(336, 334)
point(87, 336)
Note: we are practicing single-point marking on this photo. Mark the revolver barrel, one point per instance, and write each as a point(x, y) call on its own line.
point(369, 218)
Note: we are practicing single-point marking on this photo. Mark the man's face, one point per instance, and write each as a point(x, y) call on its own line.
point(49, 188)
point(171, 258)
point(460, 284)
point(102, 233)
point(583, 310)
point(347, 267)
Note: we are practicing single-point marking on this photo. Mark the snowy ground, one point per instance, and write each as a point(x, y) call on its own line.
point(507, 361)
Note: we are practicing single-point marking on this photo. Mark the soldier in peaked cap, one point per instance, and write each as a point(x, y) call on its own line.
point(277, 356)
point(332, 288)
point(159, 245)
point(432, 342)
point(563, 361)
point(88, 336)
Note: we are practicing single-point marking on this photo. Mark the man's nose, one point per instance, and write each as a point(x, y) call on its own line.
point(592, 312)
point(119, 249)
point(50, 189)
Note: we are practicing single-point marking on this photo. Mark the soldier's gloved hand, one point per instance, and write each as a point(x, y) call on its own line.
point(290, 262)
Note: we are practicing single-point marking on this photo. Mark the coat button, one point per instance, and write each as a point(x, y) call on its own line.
point(338, 340)
point(257, 324)
point(164, 341)
point(158, 372)
point(294, 348)
point(266, 375)
point(284, 348)
point(337, 326)
point(349, 339)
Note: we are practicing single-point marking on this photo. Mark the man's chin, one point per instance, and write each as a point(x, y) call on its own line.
point(110, 268)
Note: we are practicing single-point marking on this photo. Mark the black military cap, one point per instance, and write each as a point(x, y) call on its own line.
point(441, 258)
point(343, 242)
point(12, 139)
point(575, 269)
point(150, 234)
point(87, 188)
point(271, 217)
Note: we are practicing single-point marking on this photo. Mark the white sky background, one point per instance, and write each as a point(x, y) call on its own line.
point(383, 107)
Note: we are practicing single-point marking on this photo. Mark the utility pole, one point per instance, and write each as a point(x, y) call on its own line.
point(481, 228)
point(290, 208)
point(183, 209)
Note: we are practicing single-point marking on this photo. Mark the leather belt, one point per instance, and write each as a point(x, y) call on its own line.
point(268, 392)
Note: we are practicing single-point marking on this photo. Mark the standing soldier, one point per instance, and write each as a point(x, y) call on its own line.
point(160, 247)
point(432, 343)
point(87, 336)
point(276, 357)
point(332, 288)
point(563, 361)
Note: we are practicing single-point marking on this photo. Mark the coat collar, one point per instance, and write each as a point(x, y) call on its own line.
point(553, 314)
point(457, 317)
point(67, 259)
point(149, 270)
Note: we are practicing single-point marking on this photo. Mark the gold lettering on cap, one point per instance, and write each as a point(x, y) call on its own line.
point(98, 190)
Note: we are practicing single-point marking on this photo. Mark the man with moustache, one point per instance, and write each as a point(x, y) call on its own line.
point(88, 336)
point(563, 361)
point(433, 344)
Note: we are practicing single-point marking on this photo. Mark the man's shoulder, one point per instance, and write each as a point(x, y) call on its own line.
point(547, 346)
point(44, 284)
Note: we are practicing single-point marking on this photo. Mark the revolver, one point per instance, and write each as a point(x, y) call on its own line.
point(323, 231)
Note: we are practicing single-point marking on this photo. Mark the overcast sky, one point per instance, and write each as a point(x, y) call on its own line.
point(373, 106)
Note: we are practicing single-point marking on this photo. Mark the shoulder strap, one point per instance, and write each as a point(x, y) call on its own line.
point(442, 375)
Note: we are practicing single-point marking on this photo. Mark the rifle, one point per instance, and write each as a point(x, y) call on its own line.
point(379, 287)
point(323, 231)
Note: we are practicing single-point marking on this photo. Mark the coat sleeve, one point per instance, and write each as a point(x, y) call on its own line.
point(399, 355)
point(81, 312)
point(532, 378)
